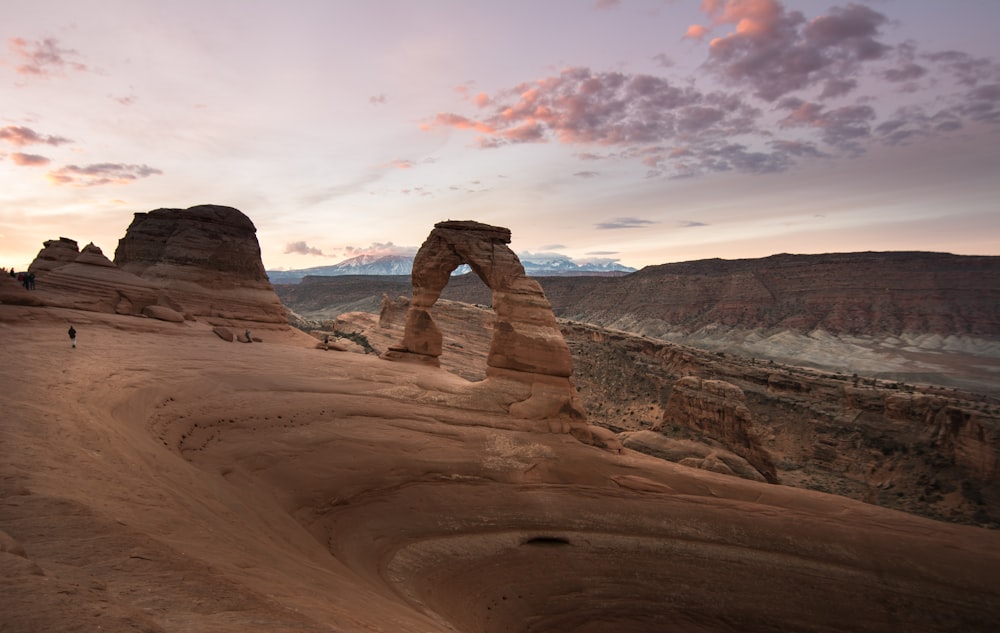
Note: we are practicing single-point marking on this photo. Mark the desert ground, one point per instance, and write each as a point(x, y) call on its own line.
point(158, 478)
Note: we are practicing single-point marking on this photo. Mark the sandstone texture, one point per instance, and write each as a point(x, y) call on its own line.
point(175, 265)
point(208, 259)
point(922, 449)
point(717, 410)
point(170, 481)
point(55, 253)
point(526, 347)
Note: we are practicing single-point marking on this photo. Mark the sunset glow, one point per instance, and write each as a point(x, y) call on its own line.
point(643, 131)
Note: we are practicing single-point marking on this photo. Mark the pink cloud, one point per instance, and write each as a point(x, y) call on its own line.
point(43, 58)
point(100, 174)
point(21, 136)
point(301, 248)
point(773, 51)
point(696, 32)
point(29, 160)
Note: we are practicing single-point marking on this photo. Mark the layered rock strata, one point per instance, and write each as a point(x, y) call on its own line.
point(55, 253)
point(526, 349)
point(88, 280)
point(717, 410)
point(207, 257)
point(201, 263)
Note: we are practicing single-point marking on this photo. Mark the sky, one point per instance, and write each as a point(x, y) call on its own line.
point(636, 131)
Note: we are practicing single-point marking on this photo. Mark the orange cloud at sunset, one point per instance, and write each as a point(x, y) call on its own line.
point(696, 32)
point(100, 174)
point(29, 160)
point(21, 136)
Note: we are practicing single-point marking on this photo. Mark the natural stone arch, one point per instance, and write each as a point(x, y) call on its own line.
point(526, 337)
point(527, 346)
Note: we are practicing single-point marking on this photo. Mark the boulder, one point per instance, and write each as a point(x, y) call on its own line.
point(224, 333)
point(163, 313)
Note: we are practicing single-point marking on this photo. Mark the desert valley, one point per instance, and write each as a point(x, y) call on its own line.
point(798, 443)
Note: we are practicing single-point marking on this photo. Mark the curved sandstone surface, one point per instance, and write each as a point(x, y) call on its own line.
point(225, 488)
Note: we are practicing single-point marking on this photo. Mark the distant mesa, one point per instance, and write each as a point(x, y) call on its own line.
point(538, 266)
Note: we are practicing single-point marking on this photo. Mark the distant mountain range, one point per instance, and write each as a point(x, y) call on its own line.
point(540, 265)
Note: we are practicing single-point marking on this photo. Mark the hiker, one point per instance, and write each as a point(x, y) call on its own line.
point(72, 336)
point(249, 339)
point(326, 341)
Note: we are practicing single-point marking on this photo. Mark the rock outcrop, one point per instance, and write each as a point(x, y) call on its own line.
point(527, 347)
point(207, 257)
point(173, 265)
point(90, 281)
point(717, 410)
point(55, 253)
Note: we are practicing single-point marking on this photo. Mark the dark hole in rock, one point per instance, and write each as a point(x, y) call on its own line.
point(547, 540)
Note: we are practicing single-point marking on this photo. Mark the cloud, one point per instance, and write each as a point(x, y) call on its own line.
point(906, 72)
point(687, 224)
point(377, 99)
point(663, 61)
point(696, 32)
point(624, 223)
point(606, 4)
point(845, 127)
point(773, 52)
point(100, 174)
point(301, 248)
point(786, 79)
point(610, 108)
point(21, 136)
point(587, 175)
point(553, 247)
point(43, 58)
point(602, 253)
point(29, 160)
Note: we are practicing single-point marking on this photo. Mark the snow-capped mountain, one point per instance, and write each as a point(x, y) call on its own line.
point(538, 265)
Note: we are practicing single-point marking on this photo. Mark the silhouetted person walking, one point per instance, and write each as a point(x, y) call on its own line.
point(72, 336)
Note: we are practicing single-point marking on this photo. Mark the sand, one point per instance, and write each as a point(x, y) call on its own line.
point(158, 478)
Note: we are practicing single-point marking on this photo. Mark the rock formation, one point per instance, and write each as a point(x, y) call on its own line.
point(527, 347)
point(717, 410)
point(207, 257)
point(173, 265)
point(55, 253)
point(90, 281)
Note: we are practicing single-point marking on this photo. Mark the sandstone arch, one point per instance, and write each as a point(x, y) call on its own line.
point(527, 346)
